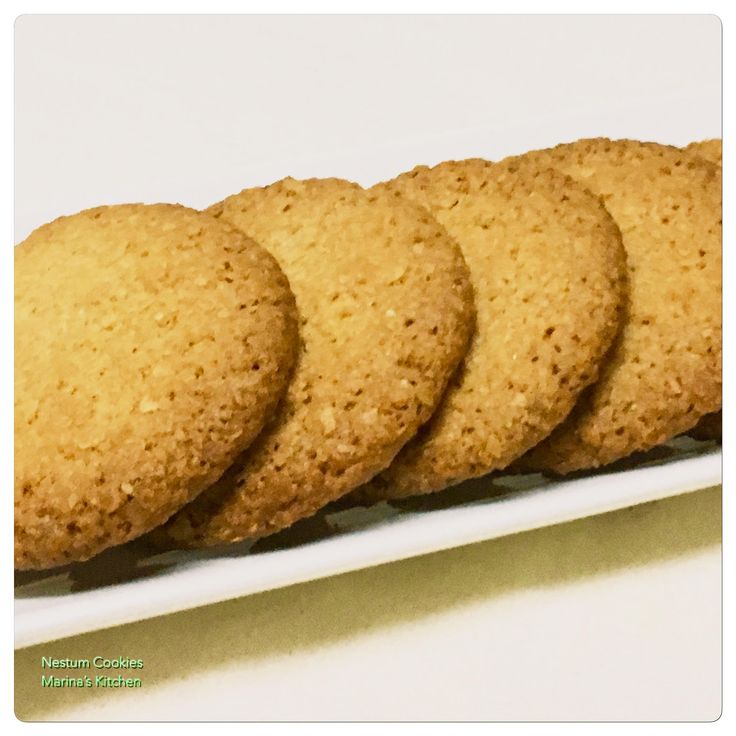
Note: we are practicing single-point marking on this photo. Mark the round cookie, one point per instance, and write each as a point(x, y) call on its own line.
point(710, 149)
point(547, 267)
point(151, 344)
point(386, 315)
point(711, 425)
point(665, 371)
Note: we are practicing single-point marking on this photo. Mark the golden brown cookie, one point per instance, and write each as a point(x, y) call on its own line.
point(665, 371)
point(151, 344)
point(710, 426)
point(710, 149)
point(547, 267)
point(386, 314)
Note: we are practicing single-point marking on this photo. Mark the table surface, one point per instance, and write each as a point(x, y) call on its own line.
point(615, 617)
point(611, 617)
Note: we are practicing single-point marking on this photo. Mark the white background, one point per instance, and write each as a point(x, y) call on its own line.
point(192, 108)
point(598, 619)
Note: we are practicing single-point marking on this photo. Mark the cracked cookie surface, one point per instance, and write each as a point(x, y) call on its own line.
point(386, 312)
point(151, 344)
point(664, 372)
point(547, 268)
point(710, 426)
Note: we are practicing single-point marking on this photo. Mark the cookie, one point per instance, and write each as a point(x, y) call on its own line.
point(710, 426)
point(547, 267)
point(665, 371)
point(386, 313)
point(151, 344)
point(710, 149)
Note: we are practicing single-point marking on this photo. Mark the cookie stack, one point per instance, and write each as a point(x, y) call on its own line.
point(215, 376)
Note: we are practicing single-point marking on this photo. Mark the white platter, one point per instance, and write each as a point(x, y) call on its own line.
point(129, 583)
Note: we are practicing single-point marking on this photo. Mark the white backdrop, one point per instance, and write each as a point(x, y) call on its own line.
point(192, 108)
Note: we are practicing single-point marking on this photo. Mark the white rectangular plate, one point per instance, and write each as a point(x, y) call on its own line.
point(130, 583)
